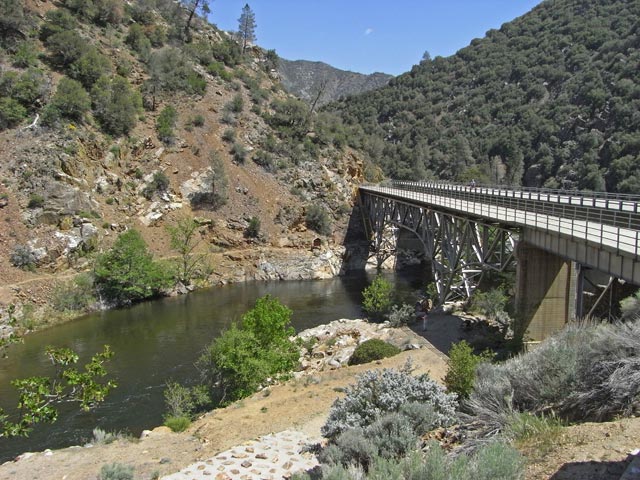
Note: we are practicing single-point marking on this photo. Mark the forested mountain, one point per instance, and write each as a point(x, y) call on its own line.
point(321, 83)
point(550, 99)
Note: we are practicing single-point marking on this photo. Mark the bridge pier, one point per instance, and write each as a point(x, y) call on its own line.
point(545, 292)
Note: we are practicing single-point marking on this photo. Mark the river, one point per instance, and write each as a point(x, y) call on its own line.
point(158, 341)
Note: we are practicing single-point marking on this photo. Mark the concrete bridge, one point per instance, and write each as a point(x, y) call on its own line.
point(553, 235)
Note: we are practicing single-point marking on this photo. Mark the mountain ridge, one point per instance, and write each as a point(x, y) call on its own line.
point(319, 82)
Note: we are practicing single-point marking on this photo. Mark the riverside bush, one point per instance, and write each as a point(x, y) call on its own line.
point(127, 273)
point(585, 372)
point(462, 365)
point(401, 315)
point(251, 354)
point(377, 298)
point(379, 392)
point(373, 349)
point(177, 424)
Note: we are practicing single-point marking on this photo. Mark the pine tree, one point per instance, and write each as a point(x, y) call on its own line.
point(247, 27)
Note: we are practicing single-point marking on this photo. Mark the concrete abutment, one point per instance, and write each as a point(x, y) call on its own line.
point(545, 292)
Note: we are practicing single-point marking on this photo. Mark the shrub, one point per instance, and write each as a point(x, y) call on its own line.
point(215, 195)
point(197, 120)
point(229, 135)
point(372, 349)
point(379, 392)
point(127, 272)
point(56, 21)
point(165, 123)
point(70, 101)
point(317, 219)
point(401, 315)
point(217, 70)
point(495, 460)
point(26, 55)
point(170, 71)
point(227, 51)
point(23, 257)
point(116, 105)
point(253, 229)
point(377, 298)
point(66, 47)
point(90, 67)
point(236, 104)
point(29, 88)
point(75, 296)
point(290, 118)
point(138, 41)
point(116, 471)
point(159, 183)
point(490, 303)
point(183, 401)
point(177, 424)
point(11, 113)
point(246, 356)
point(266, 160)
point(239, 152)
point(630, 307)
point(585, 372)
point(462, 364)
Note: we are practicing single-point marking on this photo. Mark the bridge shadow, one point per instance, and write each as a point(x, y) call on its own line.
point(444, 329)
point(592, 470)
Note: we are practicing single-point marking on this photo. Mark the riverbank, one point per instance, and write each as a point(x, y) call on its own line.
point(33, 298)
point(301, 404)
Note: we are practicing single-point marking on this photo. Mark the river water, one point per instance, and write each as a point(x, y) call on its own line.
point(159, 341)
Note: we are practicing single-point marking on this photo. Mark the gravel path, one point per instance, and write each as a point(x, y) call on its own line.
point(270, 457)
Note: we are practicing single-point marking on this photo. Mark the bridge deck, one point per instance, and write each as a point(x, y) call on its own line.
point(600, 231)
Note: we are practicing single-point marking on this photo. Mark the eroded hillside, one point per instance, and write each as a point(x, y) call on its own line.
point(117, 115)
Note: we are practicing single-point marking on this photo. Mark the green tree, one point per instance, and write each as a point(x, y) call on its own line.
point(165, 123)
point(116, 104)
point(39, 395)
point(13, 21)
point(90, 67)
point(247, 355)
point(246, 27)
point(462, 365)
point(127, 273)
point(11, 113)
point(185, 240)
point(70, 101)
point(377, 298)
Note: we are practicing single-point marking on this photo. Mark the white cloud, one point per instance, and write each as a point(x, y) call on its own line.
point(368, 31)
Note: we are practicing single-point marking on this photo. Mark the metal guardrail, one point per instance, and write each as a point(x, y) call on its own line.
point(607, 219)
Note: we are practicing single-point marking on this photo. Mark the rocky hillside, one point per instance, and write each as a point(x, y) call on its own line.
point(118, 115)
point(550, 99)
point(322, 83)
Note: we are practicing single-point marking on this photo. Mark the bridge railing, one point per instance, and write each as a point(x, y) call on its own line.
point(610, 220)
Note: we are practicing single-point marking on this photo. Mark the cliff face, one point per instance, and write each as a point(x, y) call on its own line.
point(317, 80)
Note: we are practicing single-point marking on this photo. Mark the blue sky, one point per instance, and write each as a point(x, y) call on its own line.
point(369, 36)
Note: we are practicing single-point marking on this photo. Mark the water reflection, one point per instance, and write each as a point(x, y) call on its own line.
point(159, 341)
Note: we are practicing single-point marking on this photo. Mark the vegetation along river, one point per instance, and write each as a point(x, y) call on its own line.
point(159, 341)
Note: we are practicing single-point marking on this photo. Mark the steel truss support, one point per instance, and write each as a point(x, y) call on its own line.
point(460, 249)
